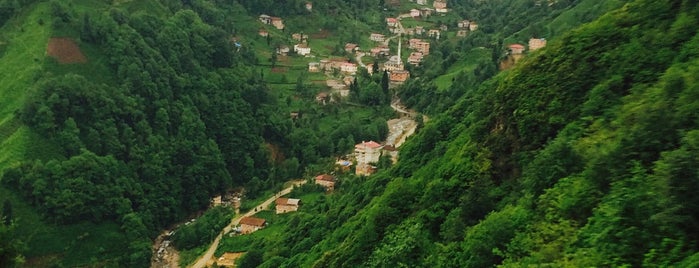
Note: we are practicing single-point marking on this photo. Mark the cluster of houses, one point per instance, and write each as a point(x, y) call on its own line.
point(277, 22)
point(440, 6)
point(534, 44)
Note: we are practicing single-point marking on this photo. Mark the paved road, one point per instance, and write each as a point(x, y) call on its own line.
point(201, 262)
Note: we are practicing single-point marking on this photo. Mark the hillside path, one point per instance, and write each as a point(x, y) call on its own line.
point(201, 261)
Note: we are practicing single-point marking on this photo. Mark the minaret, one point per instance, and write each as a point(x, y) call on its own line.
point(399, 45)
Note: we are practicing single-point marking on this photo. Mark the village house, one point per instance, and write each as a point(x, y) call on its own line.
point(412, 42)
point(266, 19)
point(423, 47)
point(426, 12)
point(327, 181)
point(283, 50)
point(299, 37)
point(434, 33)
point(216, 201)
point(302, 49)
point(422, 2)
point(251, 224)
point(516, 49)
point(278, 23)
point(313, 67)
point(463, 24)
point(351, 47)
point(415, 58)
point(536, 43)
point(370, 68)
point(414, 13)
point(419, 30)
point(391, 22)
point(322, 98)
point(391, 151)
point(309, 6)
point(367, 153)
point(377, 37)
point(444, 27)
point(284, 205)
point(348, 68)
point(399, 76)
point(461, 33)
point(348, 80)
point(473, 26)
point(263, 32)
point(380, 51)
point(343, 165)
point(440, 6)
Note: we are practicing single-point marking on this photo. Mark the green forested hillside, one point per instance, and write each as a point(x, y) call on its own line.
point(583, 155)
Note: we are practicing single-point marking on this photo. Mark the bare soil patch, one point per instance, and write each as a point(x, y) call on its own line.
point(65, 51)
point(280, 70)
point(321, 35)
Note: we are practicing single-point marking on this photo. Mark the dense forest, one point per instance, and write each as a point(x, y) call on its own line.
point(583, 154)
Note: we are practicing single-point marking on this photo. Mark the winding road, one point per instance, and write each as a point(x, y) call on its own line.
point(201, 261)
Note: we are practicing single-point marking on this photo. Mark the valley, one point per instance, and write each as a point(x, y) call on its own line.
point(415, 133)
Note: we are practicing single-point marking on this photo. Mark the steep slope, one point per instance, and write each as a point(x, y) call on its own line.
point(580, 156)
point(100, 152)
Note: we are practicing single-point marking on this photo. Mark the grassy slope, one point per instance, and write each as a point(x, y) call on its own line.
point(22, 63)
point(567, 20)
point(20, 67)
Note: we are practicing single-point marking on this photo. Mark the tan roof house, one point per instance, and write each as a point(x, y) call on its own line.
point(423, 47)
point(426, 11)
point(415, 58)
point(302, 49)
point(461, 33)
point(283, 50)
point(473, 26)
point(266, 19)
point(516, 49)
point(536, 43)
point(440, 6)
point(463, 24)
point(309, 6)
point(434, 33)
point(399, 76)
point(377, 37)
point(313, 67)
point(422, 2)
point(251, 224)
point(351, 47)
point(348, 68)
point(415, 13)
point(278, 23)
point(284, 205)
point(327, 181)
point(263, 32)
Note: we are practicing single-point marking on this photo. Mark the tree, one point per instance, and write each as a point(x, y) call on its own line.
point(384, 86)
point(7, 212)
point(251, 259)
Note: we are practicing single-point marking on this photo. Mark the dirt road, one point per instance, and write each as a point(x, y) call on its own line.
point(201, 261)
